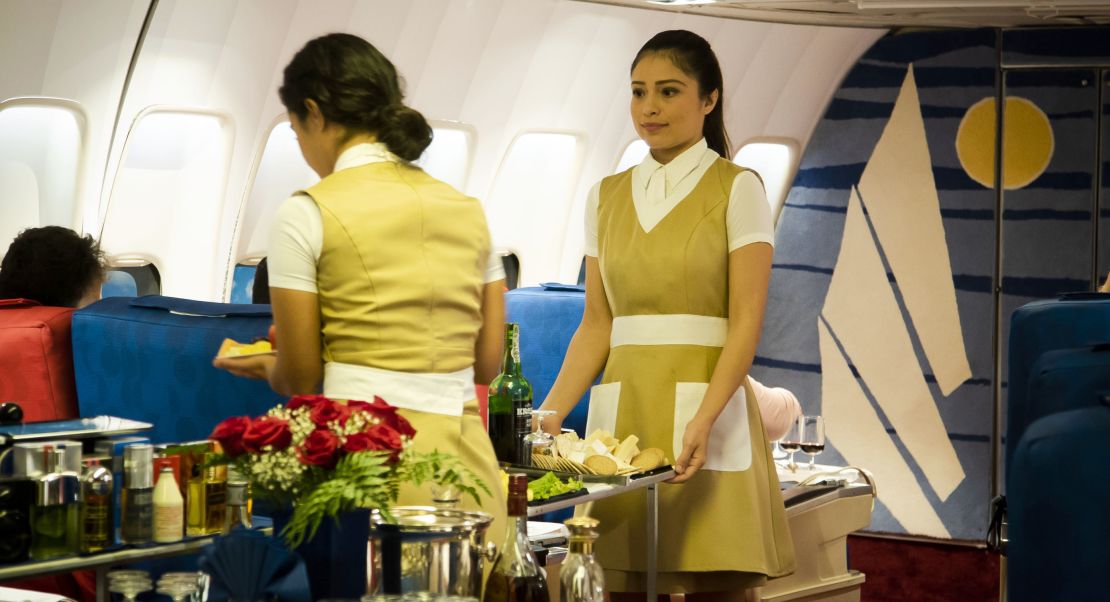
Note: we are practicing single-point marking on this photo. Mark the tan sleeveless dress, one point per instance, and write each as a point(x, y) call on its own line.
point(725, 529)
point(400, 279)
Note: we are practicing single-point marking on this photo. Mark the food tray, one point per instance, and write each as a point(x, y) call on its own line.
point(621, 480)
point(558, 498)
point(553, 463)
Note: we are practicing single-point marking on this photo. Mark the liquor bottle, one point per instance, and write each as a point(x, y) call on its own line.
point(97, 512)
point(215, 496)
point(169, 508)
point(516, 575)
point(581, 578)
point(137, 499)
point(196, 513)
point(510, 404)
point(238, 514)
point(55, 511)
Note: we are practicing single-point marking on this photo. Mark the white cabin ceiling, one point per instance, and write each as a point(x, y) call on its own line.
point(892, 13)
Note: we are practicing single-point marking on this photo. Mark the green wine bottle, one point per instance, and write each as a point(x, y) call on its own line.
point(510, 403)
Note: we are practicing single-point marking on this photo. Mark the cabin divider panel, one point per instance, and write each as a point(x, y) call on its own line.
point(882, 312)
point(888, 330)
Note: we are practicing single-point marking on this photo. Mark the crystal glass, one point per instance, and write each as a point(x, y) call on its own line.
point(792, 442)
point(813, 437)
point(125, 573)
point(539, 441)
point(198, 579)
point(129, 587)
point(177, 588)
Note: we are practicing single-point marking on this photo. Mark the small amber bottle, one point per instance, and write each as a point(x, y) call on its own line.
point(97, 530)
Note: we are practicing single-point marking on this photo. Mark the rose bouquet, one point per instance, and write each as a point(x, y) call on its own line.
point(324, 458)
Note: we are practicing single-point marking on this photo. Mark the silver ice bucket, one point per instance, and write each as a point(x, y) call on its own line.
point(427, 549)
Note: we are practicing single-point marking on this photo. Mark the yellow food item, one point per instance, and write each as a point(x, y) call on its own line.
point(233, 348)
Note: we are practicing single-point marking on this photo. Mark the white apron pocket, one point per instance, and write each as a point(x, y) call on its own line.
point(604, 400)
point(730, 446)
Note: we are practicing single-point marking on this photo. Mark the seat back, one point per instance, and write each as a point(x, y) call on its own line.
point(36, 360)
point(150, 358)
point(1057, 500)
point(1075, 320)
point(548, 317)
point(1067, 379)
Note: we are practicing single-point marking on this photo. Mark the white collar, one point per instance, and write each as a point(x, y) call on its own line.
point(364, 153)
point(674, 171)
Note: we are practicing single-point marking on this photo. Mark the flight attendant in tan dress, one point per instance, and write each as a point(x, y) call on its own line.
point(382, 278)
point(678, 259)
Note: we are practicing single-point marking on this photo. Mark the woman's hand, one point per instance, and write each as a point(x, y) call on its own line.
point(257, 367)
point(553, 424)
point(695, 447)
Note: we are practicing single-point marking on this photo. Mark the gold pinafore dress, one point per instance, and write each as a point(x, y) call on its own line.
point(400, 279)
point(725, 529)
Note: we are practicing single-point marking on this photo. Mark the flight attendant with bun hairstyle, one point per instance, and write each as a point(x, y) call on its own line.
point(678, 260)
point(382, 278)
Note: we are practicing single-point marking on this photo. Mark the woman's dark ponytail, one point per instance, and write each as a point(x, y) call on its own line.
point(695, 57)
point(357, 87)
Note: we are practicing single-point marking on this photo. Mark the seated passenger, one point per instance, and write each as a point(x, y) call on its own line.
point(778, 407)
point(54, 266)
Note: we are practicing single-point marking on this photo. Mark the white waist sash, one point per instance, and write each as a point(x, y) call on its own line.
point(669, 329)
point(424, 392)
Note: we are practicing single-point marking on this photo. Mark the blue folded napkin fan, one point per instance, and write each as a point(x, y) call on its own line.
point(250, 565)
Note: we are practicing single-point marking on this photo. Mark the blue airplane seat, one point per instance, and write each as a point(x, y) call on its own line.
point(548, 316)
point(150, 359)
point(1072, 320)
point(1057, 501)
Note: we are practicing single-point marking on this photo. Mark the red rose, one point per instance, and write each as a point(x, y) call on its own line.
point(267, 430)
point(229, 434)
point(320, 449)
point(377, 438)
point(328, 411)
point(386, 413)
point(305, 400)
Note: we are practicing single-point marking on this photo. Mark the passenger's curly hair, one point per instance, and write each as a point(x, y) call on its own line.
point(52, 265)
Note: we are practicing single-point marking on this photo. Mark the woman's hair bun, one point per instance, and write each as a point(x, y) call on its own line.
point(404, 130)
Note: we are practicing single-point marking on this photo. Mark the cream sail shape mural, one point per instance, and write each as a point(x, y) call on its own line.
point(894, 212)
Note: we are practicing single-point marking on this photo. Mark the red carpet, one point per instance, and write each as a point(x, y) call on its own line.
point(904, 571)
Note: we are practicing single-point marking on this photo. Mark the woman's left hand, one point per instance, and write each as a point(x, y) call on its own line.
point(257, 367)
point(695, 447)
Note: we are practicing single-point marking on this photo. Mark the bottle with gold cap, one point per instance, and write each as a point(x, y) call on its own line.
point(581, 578)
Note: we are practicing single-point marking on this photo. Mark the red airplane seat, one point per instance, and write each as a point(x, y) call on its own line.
point(36, 360)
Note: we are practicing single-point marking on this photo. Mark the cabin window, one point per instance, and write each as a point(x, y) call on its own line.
point(512, 270)
point(530, 201)
point(774, 160)
point(281, 172)
point(41, 142)
point(448, 156)
point(242, 283)
point(167, 195)
point(131, 281)
point(633, 154)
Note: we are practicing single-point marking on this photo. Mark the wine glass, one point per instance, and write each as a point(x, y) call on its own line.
point(792, 442)
point(129, 586)
point(813, 437)
point(538, 441)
